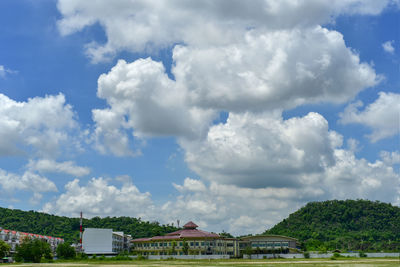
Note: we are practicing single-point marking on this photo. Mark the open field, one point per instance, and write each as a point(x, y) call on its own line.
point(219, 263)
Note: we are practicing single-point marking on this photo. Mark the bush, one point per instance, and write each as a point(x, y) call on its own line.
point(82, 256)
point(362, 254)
point(336, 255)
point(65, 251)
point(306, 255)
point(33, 250)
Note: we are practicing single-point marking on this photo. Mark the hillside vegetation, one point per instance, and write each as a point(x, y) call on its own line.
point(68, 228)
point(344, 225)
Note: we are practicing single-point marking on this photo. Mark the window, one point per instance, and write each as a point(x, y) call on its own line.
point(277, 244)
point(181, 244)
point(285, 244)
point(202, 243)
point(191, 244)
point(197, 244)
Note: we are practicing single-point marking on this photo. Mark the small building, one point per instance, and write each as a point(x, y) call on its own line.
point(104, 241)
point(262, 244)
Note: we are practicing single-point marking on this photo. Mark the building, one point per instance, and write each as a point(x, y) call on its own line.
point(14, 238)
point(188, 240)
point(104, 241)
point(264, 244)
point(193, 241)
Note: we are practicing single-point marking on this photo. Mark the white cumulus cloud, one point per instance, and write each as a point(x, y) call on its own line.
point(259, 150)
point(49, 165)
point(41, 123)
point(100, 198)
point(388, 47)
point(148, 25)
point(382, 116)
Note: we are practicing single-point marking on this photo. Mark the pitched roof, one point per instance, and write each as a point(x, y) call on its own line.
point(190, 225)
point(189, 231)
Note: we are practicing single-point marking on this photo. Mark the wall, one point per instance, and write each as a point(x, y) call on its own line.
point(97, 241)
point(188, 257)
point(319, 256)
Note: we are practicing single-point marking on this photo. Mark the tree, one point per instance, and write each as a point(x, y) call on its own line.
point(185, 247)
point(65, 251)
point(4, 249)
point(173, 250)
point(33, 251)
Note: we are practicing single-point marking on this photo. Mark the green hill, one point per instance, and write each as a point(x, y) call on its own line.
point(68, 228)
point(344, 225)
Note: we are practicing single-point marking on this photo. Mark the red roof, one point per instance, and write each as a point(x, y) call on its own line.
point(190, 225)
point(189, 231)
point(28, 234)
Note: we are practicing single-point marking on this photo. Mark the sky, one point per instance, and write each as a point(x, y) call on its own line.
point(232, 114)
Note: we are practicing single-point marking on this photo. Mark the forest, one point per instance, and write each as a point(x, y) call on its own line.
point(345, 225)
point(68, 228)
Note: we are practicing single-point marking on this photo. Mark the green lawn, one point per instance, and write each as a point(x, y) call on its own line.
point(355, 262)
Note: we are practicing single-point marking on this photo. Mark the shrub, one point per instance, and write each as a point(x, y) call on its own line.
point(306, 255)
point(362, 254)
point(33, 250)
point(65, 251)
point(336, 255)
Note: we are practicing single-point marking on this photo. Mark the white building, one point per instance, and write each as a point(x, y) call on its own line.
point(15, 238)
point(104, 241)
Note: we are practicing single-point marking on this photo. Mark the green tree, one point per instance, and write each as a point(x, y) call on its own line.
point(4, 249)
point(248, 250)
point(185, 247)
point(173, 250)
point(33, 251)
point(65, 251)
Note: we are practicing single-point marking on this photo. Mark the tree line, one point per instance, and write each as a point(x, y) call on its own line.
point(345, 225)
point(68, 228)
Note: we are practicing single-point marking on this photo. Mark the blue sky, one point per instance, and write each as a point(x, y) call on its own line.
point(229, 114)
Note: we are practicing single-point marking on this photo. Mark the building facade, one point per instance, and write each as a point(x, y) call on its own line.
point(188, 240)
point(104, 241)
point(191, 241)
point(263, 244)
point(15, 238)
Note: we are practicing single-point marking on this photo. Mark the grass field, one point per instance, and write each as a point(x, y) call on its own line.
point(390, 262)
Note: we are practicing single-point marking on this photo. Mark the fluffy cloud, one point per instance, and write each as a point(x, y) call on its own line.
point(145, 101)
point(269, 70)
point(28, 181)
point(382, 116)
point(146, 25)
point(99, 198)
point(243, 210)
point(388, 47)
point(238, 77)
point(259, 150)
point(41, 123)
point(48, 165)
point(11, 183)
